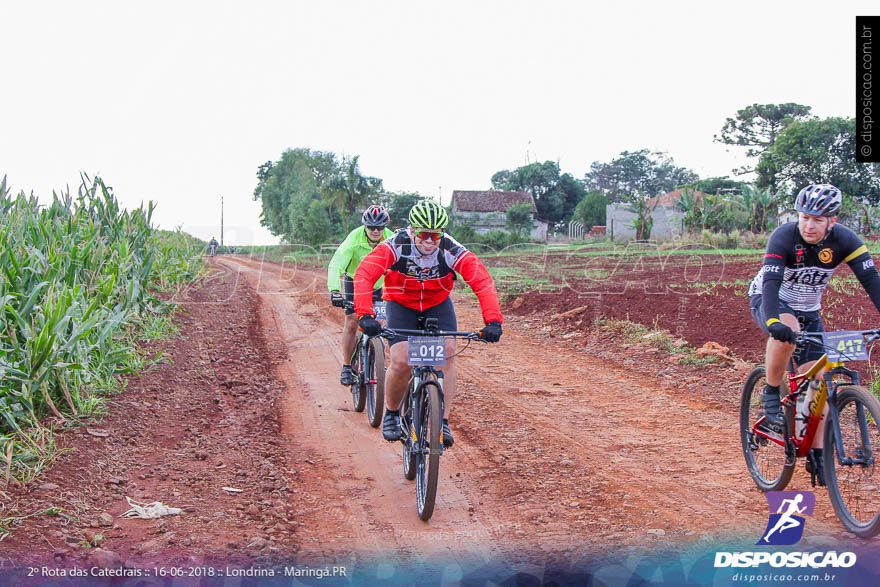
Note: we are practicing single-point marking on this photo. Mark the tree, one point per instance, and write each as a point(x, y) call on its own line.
point(519, 219)
point(644, 171)
point(716, 185)
point(288, 187)
point(758, 206)
point(716, 213)
point(316, 224)
point(818, 151)
point(757, 127)
point(591, 210)
point(643, 222)
point(555, 194)
point(350, 190)
point(263, 173)
point(399, 207)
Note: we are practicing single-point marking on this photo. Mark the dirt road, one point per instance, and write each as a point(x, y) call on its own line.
point(570, 449)
point(559, 455)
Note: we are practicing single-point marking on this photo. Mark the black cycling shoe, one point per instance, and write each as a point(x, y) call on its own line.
point(347, 376)
point(446, 435)
point(391, 426)
point(816, 467)
point(772, 410)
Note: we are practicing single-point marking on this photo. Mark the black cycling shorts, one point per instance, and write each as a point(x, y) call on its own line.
point(348, 292)
point(809, 321)
point(402, 317)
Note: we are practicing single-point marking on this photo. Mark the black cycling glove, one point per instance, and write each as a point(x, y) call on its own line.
point(336, 299)
point(370, 325)
point(781, 332)
point(491, 332)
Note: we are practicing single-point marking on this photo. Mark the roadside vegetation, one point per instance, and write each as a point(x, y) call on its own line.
point(80, 288)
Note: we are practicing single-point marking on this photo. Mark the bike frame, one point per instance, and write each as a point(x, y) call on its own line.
point(423, 372)
point(411, 438)
point(360, 347)
point(798, 384)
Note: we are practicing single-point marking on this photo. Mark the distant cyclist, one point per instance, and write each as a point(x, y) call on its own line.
point(420, 265)
point(212, 246)
point(346, 259)
point(785, 295)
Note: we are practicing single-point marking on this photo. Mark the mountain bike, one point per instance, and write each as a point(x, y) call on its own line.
point(212, 250)
point(852, 437)
point(368, 365)
point(421, 412)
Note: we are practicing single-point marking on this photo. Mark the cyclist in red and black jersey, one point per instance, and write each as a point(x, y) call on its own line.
point(785, 296)
point(420, 264)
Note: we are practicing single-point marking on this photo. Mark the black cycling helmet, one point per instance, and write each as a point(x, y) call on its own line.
point(376, 216)
point(819, 200)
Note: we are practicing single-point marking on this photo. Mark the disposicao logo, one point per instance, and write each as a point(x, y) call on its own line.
point(787, 511)
point(784, 528)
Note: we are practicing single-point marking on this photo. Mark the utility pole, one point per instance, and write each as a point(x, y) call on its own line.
point(221, 221)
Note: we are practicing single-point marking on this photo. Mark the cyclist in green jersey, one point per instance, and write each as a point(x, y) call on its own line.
point(346, 259)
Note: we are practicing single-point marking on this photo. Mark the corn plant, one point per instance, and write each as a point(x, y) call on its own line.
point(74, 275)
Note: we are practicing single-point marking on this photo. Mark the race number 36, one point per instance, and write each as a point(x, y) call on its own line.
point(427, 350)
point(381, 311)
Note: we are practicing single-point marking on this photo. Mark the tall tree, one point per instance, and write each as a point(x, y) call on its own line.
point(399, 207)
point(757, 127)
point(818, 151)
point(647, 172)
point(351, 190)
point(591, 210)
point(288, 187)
point(556, 194)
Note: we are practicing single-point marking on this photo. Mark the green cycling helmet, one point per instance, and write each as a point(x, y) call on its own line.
point(428, 214)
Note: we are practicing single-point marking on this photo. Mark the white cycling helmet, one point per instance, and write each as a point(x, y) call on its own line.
point(819, 200)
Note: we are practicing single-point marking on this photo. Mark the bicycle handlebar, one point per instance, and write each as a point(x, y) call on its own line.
point(818, 339)
point(391, 333)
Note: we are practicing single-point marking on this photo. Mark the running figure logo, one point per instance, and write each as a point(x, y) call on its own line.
point(786, 524)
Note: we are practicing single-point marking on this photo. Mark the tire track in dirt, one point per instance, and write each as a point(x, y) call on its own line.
point(562, 456)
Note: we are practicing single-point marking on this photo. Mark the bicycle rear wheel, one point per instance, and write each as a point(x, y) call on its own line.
point(770, 464)
point(358, 393)
point(428, 457)
point(855, 489)
point(375, 372)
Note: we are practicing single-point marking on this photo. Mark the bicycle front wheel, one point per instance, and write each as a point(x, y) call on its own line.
point(358, 393)
point(429, 445)
point(375, 372)
point(854, 488)
point(770, 463)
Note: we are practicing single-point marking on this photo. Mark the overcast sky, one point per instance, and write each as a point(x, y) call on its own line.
point(179, 102)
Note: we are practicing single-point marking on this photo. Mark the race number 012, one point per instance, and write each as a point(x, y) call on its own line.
point(427, 350)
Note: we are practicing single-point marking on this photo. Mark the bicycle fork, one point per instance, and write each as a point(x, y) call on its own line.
point(416, 430)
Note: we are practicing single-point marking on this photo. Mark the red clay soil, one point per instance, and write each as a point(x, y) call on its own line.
point(569, 445)
point(693, 298)
point(206, 419)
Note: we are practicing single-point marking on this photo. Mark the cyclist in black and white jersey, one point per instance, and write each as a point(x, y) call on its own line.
point(785, 295)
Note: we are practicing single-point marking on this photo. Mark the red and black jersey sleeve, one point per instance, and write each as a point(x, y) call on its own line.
point(477, 277)
point(368, 273)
